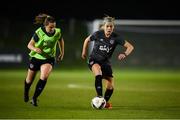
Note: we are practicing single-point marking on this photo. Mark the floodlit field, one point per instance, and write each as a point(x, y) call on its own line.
point(138, 94)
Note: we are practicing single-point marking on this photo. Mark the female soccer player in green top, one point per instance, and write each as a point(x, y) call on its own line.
point(42, 56)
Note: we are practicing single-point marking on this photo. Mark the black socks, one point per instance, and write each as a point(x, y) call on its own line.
point(108, 94)
point(98, 85)
point(27, 87)
point(26, 91)
point(39, 88)
point(99, 88)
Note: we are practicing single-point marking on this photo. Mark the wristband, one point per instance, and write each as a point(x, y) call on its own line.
point(125, 54)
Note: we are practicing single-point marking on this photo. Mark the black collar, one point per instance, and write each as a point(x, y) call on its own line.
point(48, 34)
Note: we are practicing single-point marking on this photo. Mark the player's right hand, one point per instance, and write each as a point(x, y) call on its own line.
point(83, 56)
point(38, 50)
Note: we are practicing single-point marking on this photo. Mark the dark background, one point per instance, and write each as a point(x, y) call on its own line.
point(89, 10)
point(155, 46)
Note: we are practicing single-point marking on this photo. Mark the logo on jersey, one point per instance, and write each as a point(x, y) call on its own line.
point(91, 63)
point(105, 48)
point(112, 42)
point(31, 66)
point(101, 39)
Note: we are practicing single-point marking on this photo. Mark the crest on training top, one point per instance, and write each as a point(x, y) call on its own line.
point(91, 63)
point(101, 39)
point(112, 41)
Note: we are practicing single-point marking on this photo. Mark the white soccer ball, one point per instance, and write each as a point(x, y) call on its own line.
point(98, 102)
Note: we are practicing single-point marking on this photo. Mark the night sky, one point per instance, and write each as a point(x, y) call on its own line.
point(89, 10)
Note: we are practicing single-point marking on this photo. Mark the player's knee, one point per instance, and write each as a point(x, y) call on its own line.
point(110, 86)
point(96, 68)
point(44, 77)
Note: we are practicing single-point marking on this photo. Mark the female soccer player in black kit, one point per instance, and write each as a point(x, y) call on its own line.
point(105, 42)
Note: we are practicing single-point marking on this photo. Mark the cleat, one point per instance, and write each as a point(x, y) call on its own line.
point(34, 102)
point(26, 97)
point(108, 105)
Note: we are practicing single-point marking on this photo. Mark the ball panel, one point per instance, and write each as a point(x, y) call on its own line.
point(98, 102)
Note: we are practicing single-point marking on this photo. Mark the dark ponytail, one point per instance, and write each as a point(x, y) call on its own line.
point(44, 19)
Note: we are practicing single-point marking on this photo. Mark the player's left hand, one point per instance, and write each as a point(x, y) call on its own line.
point(60, 58)
point(121, 56)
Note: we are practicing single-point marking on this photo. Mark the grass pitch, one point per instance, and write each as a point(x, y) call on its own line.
point(138, 95)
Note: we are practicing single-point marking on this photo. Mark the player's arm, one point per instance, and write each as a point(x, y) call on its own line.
point(85, 46)
point(61, 49)
point(31, 46)
point(129, 48)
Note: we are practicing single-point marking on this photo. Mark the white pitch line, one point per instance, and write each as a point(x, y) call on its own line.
point(78, 86)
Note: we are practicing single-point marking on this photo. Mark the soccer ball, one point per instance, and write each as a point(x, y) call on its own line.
point(98, 102)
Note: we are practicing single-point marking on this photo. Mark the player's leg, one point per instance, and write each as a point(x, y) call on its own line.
point(45, 70)
point(109, 88)
point(109, 91)
point(108, 76)
point(33, 68)
point(96, 69)
point(27, 83)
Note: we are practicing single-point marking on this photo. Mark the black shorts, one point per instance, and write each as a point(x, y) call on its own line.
point(35, 64)
point(105, 67)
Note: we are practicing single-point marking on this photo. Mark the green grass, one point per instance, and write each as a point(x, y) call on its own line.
point(138, 94)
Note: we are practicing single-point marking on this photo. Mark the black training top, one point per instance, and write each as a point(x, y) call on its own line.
point(104, 47)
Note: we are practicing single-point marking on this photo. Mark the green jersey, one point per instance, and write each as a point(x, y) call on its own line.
point(46, 42)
